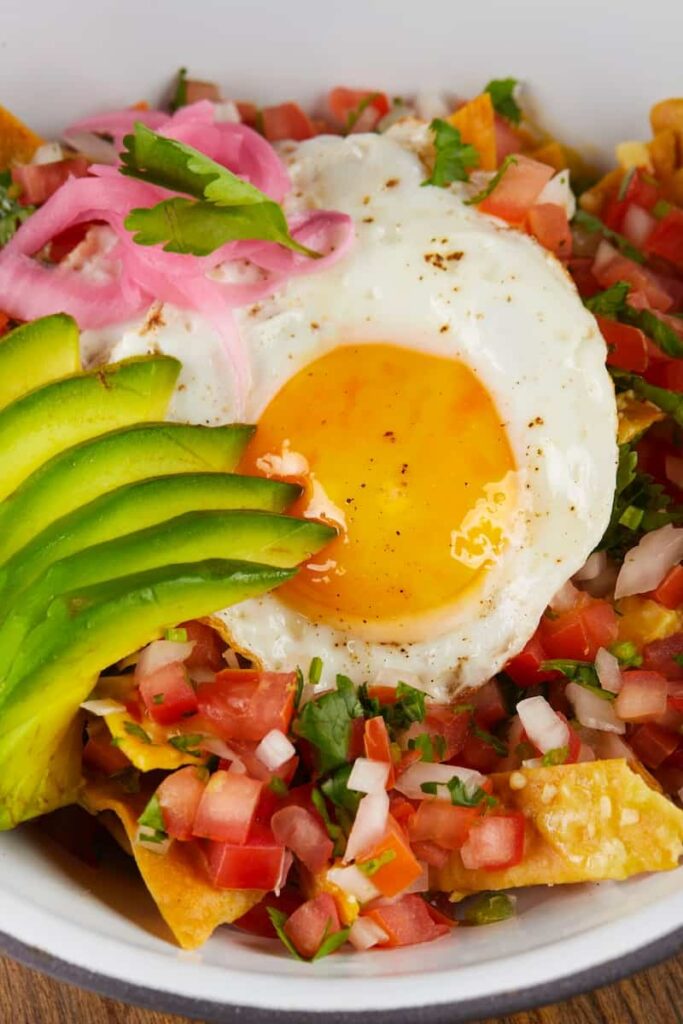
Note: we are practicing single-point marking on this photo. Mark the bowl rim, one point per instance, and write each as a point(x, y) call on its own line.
point(527, 998)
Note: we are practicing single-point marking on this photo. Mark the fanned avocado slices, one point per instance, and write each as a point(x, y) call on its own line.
point(133, 507)
point(65, 412)
point(82, 633)
point(37, 353)
point(91, 469)
point(250, 536)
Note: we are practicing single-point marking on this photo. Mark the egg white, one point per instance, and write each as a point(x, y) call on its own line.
point(506, 308)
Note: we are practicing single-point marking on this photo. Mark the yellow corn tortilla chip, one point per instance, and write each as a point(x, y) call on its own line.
point(177, 881)
point(17, 142)
point(635, 416)
point(585, 823)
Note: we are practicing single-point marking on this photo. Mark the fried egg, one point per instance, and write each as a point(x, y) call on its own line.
point(441, 393)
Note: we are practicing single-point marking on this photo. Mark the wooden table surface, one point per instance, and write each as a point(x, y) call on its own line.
point(653, 997)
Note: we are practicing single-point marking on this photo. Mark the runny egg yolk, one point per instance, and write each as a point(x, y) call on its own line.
point(406, 453)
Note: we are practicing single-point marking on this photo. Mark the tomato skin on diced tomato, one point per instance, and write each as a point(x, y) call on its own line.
point(489, 705)
point(626, 345)
point(666, 240)
point(208, 646)
point(407, 922)
point(168, 695)
point(439, 822)
point(246, 704)
point(286, 121)
point(496, 842)
point(179, 796)
point(377, 745)
point(549, 224)
point(670, 590)
point(517, 191)
point(227, 807)
point(525, 668)
point(578, 633)
point(255, 864)
point(302, 833)
point(312, 922)
point(652, 744)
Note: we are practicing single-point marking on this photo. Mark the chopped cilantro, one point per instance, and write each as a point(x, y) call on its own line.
point(334, 831)
point(152, 816)
point(453, 156)
point(278, 919)
point(176, 636)
point(223, 207)
point(592, 224)
point(558, 755)
point(627, 654)
point(614, 303)
point(315, 671)
point(670, 402)
point(495, 180)
point(278, 786)
point(180, 94)
point(489, 908)
point(133, 729)
point(490, 740)
point(661, 208)
point(354, 115)
point(502, 93)
point(581, 672)
point(329, 944)
point(188, 743)
point(432, 748)
point(12, 213)
point(461, 795)
point(326, 723)
point(336, 789)
point(408, 708)
point(299, 688)
point(626, 183)
point(611, 302)
point(372, 866)
point(158, 698)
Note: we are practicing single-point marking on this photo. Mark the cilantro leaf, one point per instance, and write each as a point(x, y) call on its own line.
point(224, 207)
point(581, 672)
point(432, 748)
point(188, 743)
point(326, 723)
point(152, 816)
point(12, 213)
point(372, 866)
point(611, 302)
point(489, 908)
point(336, 789)
point(453, 156)
point(464, 796)
point(409, 707)
point(491, 740)
point(278, 919)
point(502, 93)
point(670, 402)
point(488, 189)
point(334, 831)
point(133, 729)
point(315, 671)
point(592, 224)
point(180, 94)
point(558, 755)
point(331, 943)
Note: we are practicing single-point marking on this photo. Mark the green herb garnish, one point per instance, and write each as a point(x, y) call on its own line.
point(592, 224)
point(490, 740)
point(278, 920)
point(223, 207)
point(151, 826)
point(489, 908)
point(502, 93)
point(581, 672)
point(188, 743)
point(495, 180)
point(334, 831)
point(453, 156)
point(133, 729)
point(432, 748)
point(12, 213)
point(278, 786)
point(372, 866)
point(627, 654)
point(354, 115)
point(461, 795)
point(176, 636)
point(315, 671)
point(335, 787)
point(613, 303)
point(326, 723)
point(180, 94)
point(558, 755)
point(329, 944)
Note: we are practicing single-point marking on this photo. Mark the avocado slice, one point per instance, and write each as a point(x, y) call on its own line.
point(248, 535)
point(136, 506)
point(36, 353)
point(73, 409)
point(88, 470)
point(84, 632)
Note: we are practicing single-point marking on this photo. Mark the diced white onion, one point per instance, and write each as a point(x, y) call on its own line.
point(161, 653)
point(593, 711)
point(202, 675)
point(368, 776)
point(673, 467)
point(607, 668)
point(145, 838)
point(366, 933)
point(103, 707)
point(565, 598)
point(220, 748)
point(646, 565)
point(592, 567)
point(429, 105)
point(558, 192)
point(226, 110)
point(48, 153)
point(543, 726)
point(230, 658)
point(274, 749)
point(398, 112)
point(92, 147)
point(287, 861)
point(637, 225)
point(421, 883)
point(354, 882)
point(369, 826)
point(411, 781)
point(604, 254)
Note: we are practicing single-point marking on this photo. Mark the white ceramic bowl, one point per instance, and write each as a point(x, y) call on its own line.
point(593, 72)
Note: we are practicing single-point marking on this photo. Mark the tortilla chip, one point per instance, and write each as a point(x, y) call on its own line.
point(586, 823)
point(17, 142)
point(177, 881)
point(642, 620)
point(635, 416)
point(476, 123)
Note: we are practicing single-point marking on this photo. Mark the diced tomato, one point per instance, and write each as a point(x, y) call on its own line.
point(557, 697)
point(245, 704)
point(248, 112)
point(384, 694)
point(626, 345)
point(168, 695)
point(440, 822)
point(670, 590)
point(208, 646)
point(489, 705)
point(549, 225)
point(517, 190)
point(674, 696)
point(298, 830)
point(39, 181)
point(342, 103)
point(666, 240)
point(67, 240)
point(581, 270)
point(653, 744)
point(639, 192)
point(196, 90)
point(401, 809)
point(611, 266)
point(256, 864)
point(667, 374)
point(495, 842)
point(478, 754)
point(430, 853)
point(312, 922)
point(257, 920)
point(286, 121)
point(4, 323)
point(398, 873)
point(525, 668)
point(100, 754)
point(642, 696)
point(377, 746)
point(357, 738)
point(227, 807)
point(659, 656)
point(507, 138)
point(179, 796)
point(442, 722)
point(578, 633)
point(407, 922)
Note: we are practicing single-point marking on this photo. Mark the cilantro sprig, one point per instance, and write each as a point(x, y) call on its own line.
point(495, 180)
point(581, 672)
point(12, 213)
point(613, 303)
point(593, 224)
point(461, 794)
point(453, 156)
point(330, 943)
point(223, 207)
point(326, 724)
point(408, 707)
point(502, 93)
